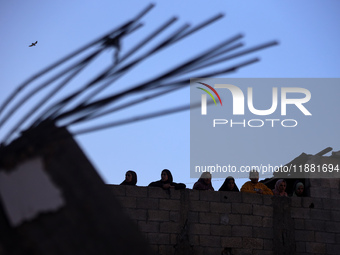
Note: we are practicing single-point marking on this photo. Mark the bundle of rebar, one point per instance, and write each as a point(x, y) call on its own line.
point(69, 110)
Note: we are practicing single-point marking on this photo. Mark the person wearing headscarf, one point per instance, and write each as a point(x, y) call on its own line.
point(204, 182)
point(166, 181)
point(280, 188)
point(229, 185)
point(130, 178)
point(299, 189)
point(254, 186)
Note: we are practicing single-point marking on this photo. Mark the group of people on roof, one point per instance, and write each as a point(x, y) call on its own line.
point(204, 183)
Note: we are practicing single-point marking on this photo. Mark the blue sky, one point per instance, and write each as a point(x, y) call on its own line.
point(309, 48)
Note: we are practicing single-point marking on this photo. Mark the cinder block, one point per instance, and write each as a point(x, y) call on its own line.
point(324, 237)
point(194, 240)
point(199, 229)
point(324, 182)
point(334, 183)
point(148, 227)
point(299, 224)
point(319, 214)
point(262, 210)
point(158, 215)
point(319, 225)
point(296, 202)
point(231, 242)
point(200, 206)
point(176, 194)
point(220, 207)
point(171, 205)
point(251, 198)
point(260, 232)
point(197, 250)
point(206, 195)
point(333, 249)
point(118, 190)
point(267, 200)
point(317, 202)
point(169, 227)
point(220, 230)
point(234, 219)
point(136, 214)
point(158, 238)
point(155, 192)
point(127, 202)
point(210, 241)
point(250, 220)
point(147, 203)
point(267, 222)
point(243, 231)
point(241, 208)
point(300, 213)
point(238, 251)
point(333, 227)
point(134, 191)
point(319, 248)
point(327, 204)
point(173, 239)
point(231, 197)
point(252, 243)
point(193, 217)
point(212, 250)
point(304, 235)
point(306, 201)
point(224, 219)
point(194, 195)
point(209, 218)
point(335, 204)
point(268, 244)
point(174, 216)
point(335, 194)
point(166, 250)
point(262, 252)
point(154, 248)
point(320, 192)
point(315, 182)
point(300, 246)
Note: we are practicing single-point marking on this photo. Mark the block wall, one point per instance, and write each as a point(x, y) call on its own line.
point(213, 222)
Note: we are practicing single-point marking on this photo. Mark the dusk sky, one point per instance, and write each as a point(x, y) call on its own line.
point(308, 37)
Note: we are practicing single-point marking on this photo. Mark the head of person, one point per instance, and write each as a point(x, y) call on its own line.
point(206, 178)
point(131, 177)
point(281, 185)
point(254, 176)
point(299, 189)
point(166, 176)
point(230, 183)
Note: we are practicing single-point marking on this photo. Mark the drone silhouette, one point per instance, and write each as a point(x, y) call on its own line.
point(33, 44)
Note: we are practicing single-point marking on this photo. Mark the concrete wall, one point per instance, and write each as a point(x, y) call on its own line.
point(212, 222)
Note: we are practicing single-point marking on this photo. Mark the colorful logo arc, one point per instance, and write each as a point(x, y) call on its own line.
point(213, 90)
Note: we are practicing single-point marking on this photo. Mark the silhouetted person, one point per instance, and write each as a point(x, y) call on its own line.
point(204, 182)
point(229, 185)
point(254, 186)
point(280, 188)
point(299, 189)
point(166, 181)
point(130, 178)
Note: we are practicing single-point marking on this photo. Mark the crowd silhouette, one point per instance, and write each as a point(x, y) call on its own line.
point(204, 183)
